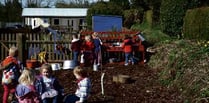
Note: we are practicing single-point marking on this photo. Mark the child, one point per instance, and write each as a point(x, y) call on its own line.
point(88, 48)
point(76, 48)
point(11, 72)
point(127, 46)
point(97, 48)
point(48, 86)
point(83, 89)
point(25, 91)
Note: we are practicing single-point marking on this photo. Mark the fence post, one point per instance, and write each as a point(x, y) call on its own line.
point(21, 40)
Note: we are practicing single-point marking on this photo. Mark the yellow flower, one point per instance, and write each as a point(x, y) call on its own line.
point(198, 42)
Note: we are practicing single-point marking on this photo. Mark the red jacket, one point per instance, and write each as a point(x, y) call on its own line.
point(76, 45)
point(11, 74)
point(8, 60)
point(127, 45)
point(88, 46)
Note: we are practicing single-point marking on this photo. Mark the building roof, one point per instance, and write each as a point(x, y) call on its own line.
point(54, 12)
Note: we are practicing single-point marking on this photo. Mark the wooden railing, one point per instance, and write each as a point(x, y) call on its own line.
point(31, 44)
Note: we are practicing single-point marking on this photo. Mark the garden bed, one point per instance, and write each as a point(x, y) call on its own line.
point(142, 88)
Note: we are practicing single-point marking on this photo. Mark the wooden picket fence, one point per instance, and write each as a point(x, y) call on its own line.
point(31, 44)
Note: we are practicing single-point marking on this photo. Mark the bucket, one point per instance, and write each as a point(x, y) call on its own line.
point(31, 64)
point(82, 58)
point(68, 64)
point(112, 60)
point(55, 66)
point(95, 67)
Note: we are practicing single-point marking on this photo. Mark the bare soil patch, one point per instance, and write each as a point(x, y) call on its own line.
point(143, 87)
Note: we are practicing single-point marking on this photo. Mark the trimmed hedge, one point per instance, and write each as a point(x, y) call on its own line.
point(171, 16)
point(196, 24)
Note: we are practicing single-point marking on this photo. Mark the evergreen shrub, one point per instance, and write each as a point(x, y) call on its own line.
point(196, 24)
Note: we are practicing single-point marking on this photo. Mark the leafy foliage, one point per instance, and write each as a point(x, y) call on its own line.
point(171, 16)
point(196, 24)
point(11, 11)
point(152, 35)
point(185, 67)
point(79, 4)
point(140, 3)
point(151, 6)
point(132, 16)
point(122, 3)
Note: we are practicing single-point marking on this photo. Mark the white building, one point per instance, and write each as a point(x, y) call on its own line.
point(71, 18)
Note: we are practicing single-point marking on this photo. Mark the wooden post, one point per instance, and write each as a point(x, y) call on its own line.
point(21, 40)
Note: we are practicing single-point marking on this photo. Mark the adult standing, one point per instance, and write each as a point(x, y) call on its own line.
point(76, 48)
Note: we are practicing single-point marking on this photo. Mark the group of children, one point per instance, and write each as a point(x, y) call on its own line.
point(90, 48)
point(29, 87)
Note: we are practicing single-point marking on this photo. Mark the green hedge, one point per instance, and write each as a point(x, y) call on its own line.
point(171, 16)
point(196, 24)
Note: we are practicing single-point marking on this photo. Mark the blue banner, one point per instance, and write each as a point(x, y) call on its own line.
point(103, 23)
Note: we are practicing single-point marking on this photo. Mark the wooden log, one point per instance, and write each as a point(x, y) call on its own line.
point(115, 78)
point(123, 78)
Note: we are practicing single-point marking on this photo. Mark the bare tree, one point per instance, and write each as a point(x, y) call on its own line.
point(6, 1)
point(36, 3)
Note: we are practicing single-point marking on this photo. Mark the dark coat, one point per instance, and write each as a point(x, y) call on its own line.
point(41, 87)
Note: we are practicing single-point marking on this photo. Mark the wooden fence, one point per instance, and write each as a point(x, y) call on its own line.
point(31, 44)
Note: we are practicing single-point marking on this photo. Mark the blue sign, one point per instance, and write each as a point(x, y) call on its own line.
point(104, 23)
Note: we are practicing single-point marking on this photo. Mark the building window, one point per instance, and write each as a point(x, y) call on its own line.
point(72, 23)
point(45, 20)
point(34, 23)
point(56, 21)
point(81, 21)
point(68, 22)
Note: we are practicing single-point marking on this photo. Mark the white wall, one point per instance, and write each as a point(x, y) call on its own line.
point(36, 22)
point(72, 22)
point(45, 22)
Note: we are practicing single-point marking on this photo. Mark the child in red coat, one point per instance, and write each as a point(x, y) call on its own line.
point(127, 46)
point(88, 48)
point(11, 72)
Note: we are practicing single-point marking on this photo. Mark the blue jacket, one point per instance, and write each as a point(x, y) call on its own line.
point(97, 45)
point(26, 94)
point(41, 87)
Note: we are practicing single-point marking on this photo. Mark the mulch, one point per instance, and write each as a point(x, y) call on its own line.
point(143, 87)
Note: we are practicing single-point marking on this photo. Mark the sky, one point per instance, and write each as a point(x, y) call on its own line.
point(52, 2)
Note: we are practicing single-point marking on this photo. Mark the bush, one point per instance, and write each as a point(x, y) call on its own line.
point(132, 16)
point(183, 64)
point(152, 35)
point(171, 16)
point(196, 24)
